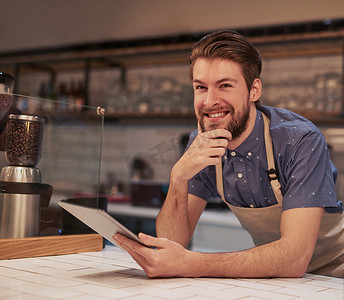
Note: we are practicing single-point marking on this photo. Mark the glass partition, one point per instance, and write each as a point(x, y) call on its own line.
point(50, 151)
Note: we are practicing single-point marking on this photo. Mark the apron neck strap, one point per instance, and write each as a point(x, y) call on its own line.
point(272, 173)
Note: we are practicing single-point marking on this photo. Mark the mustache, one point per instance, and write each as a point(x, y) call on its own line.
point(228, 108)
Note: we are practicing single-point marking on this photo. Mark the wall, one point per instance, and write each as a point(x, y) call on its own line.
point(158, 144)
point(70, 159)
point(39, 23)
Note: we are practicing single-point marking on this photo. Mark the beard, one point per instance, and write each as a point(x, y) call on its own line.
point(236, 125)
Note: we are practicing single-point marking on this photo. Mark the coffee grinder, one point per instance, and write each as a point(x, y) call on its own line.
point(22, 193)
point(6, 87)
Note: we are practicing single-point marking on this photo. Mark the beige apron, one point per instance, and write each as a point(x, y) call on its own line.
point(328, 257)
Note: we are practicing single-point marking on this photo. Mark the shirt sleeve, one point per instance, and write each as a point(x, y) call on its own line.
point(309, 174)
point(200, 188)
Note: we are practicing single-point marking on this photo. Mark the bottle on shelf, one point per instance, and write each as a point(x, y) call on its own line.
point(49, 104)
point(62, 98)
point(80, 97)
point(72, 97)
point(42, 95)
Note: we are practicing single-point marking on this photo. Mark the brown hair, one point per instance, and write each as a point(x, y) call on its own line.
point(229, 45)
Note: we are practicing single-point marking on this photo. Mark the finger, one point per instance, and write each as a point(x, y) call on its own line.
point(211, 151)
point(152, 241)
point(219, 143)
point(199, 128)
point(135, 249)
point(133, 245)
point(137, 256)
point(125, 242)
point(217, 152)
point(122, 241)
point(211, 148)
point(213, 161)
point(220, 133)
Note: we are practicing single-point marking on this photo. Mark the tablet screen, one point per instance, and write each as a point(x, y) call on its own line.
point(100, 221)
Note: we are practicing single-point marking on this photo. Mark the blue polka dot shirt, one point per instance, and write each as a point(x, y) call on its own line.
point(306, 173)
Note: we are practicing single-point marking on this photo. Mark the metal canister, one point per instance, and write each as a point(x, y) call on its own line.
point(19, 203)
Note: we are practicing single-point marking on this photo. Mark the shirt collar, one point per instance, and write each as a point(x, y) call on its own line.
point(254, 141)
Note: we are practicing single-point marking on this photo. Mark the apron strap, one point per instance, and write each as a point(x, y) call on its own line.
point(272, 173)
point(219, 180)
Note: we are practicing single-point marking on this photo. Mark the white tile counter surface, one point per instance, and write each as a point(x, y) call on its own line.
point(113, 274)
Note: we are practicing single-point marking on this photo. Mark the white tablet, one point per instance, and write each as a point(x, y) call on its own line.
point(100, 221)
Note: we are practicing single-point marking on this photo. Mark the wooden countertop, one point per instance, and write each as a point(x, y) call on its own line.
point(113, 274)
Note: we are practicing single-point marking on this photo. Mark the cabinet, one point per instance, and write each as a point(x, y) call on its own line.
point(148, 78)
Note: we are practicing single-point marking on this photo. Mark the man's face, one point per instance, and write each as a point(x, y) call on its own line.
point(221, 98)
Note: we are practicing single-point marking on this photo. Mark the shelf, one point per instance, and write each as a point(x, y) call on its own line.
point(316, 117)
point(151, 118)
point(280, 41)
point(174, 49)
point(301, 48)
point(146, 118)
point(174, 115)
point(322, 118)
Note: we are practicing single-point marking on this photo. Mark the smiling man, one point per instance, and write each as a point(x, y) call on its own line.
point(269, 165)
point(221, 98)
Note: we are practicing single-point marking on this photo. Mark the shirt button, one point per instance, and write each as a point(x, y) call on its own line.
point(249, 154)
point(251, 205)
point(239, 175)
point(233, 153)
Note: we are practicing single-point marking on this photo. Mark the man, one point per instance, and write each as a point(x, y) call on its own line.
point(270, 166)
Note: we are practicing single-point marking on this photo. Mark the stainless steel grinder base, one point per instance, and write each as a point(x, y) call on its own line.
point(19, 213)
